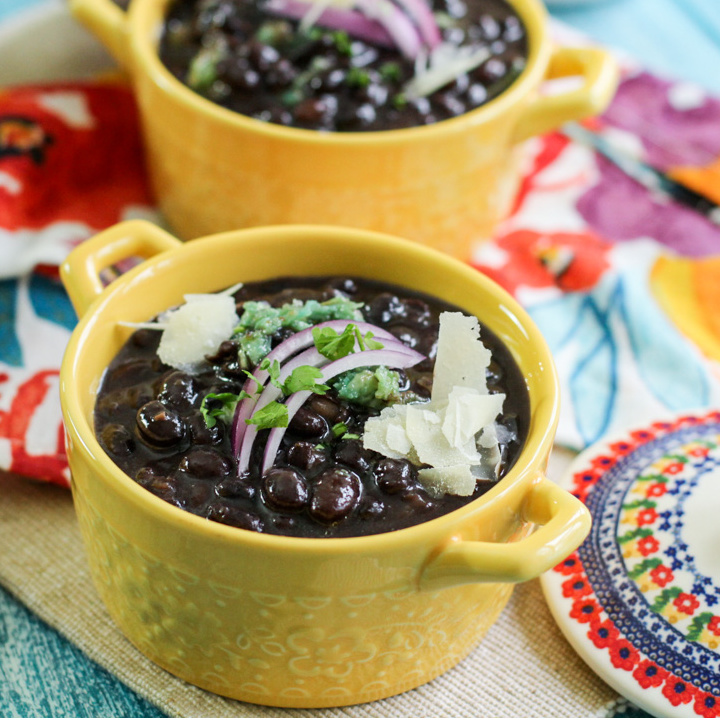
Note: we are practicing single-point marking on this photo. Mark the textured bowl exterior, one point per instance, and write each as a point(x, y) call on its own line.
point(290, 621)
point(213, 170)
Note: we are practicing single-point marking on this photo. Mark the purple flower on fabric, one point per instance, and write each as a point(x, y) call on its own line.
point(676, 126)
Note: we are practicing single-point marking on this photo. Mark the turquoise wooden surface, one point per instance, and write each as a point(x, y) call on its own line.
point(41, 674)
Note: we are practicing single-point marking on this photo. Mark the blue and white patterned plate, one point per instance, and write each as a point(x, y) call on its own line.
point(640, 600)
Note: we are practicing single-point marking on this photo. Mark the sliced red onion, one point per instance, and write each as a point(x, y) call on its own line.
point(393, 358)
point(354, 23)
point(398, 25)
point(296, 342)
point(270, 393)
point(422, 16)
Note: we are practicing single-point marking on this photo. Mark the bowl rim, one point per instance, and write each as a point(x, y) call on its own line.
point(530, 462)
point(145, 19)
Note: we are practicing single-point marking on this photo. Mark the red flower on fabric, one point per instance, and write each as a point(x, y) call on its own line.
point(677, 691)
point(674, 468)
point(646, 516)
point(655, 490)
point(623, 655)
point(648, 674)
point(714, 625)
point(706, 705)
point(585, 610)
point(699, 451)
point(662, 575)
point(662, 426)
point(571, 564)
point(569, 261)
point(602, 634)
point(647, 545)
point(686, 603)
point(576, 587)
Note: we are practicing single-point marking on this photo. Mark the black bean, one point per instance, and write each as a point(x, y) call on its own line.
point(309, 424)
point(352, 453)
point(236, 487)
point(327, 408)
point(491, 71)
point(384, 308)
point(418, 500)
point(178, 391)
point(394, 476)
point(285, 489)
point(234, 516)
point(131, 372)
point(205, 464)
point(159, 425)
point(201, 434)
point(306, 455)
point(490, 27)
point(335, 494)
point(118, 440)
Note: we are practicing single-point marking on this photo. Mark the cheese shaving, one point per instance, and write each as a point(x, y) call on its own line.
point(455, 433)
point(196, 329)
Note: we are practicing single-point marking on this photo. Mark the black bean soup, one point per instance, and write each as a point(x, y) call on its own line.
point(236, 54)
point(323, 483)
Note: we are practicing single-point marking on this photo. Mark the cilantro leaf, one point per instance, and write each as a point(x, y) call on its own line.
point(334, 345)
point(219, 405)
point(274, 414)
point(304, 378)
point(258, 385)
point(273, 370)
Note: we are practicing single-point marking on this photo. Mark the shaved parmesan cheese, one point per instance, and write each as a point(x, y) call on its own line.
point(461, 357)
point(196, 329)
point(455, 433)
point(468, 412)
point(456, 480)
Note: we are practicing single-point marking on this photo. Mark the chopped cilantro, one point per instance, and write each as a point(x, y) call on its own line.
point(273, 415)
point(219, 406)
point(332, 344)
point(202, 71)
point(273, 370)
point(339, 429)
point(390, 72)
point(357, 77)
point(304, 378)
point(399, 101)
point(343, 43)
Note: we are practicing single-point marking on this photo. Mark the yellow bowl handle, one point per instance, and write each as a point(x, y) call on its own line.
point(108, 22)
point(565, 523)
point(81, 271)
point(599, 72)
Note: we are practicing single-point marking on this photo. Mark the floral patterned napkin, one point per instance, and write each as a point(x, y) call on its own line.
point(622, 282)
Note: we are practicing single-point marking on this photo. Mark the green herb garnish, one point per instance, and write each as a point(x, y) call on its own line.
point(390, 72)
point(273, 415)
point(304, 377)
point(357, 77)
point(221, 406)
point(343, 44)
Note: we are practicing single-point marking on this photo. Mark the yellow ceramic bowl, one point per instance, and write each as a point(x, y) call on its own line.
point(293, 621)
point(445, 185)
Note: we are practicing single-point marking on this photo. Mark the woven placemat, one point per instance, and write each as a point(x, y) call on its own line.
point(523, 668)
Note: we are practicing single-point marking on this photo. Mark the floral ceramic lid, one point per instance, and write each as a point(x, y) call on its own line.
point(640, 599)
